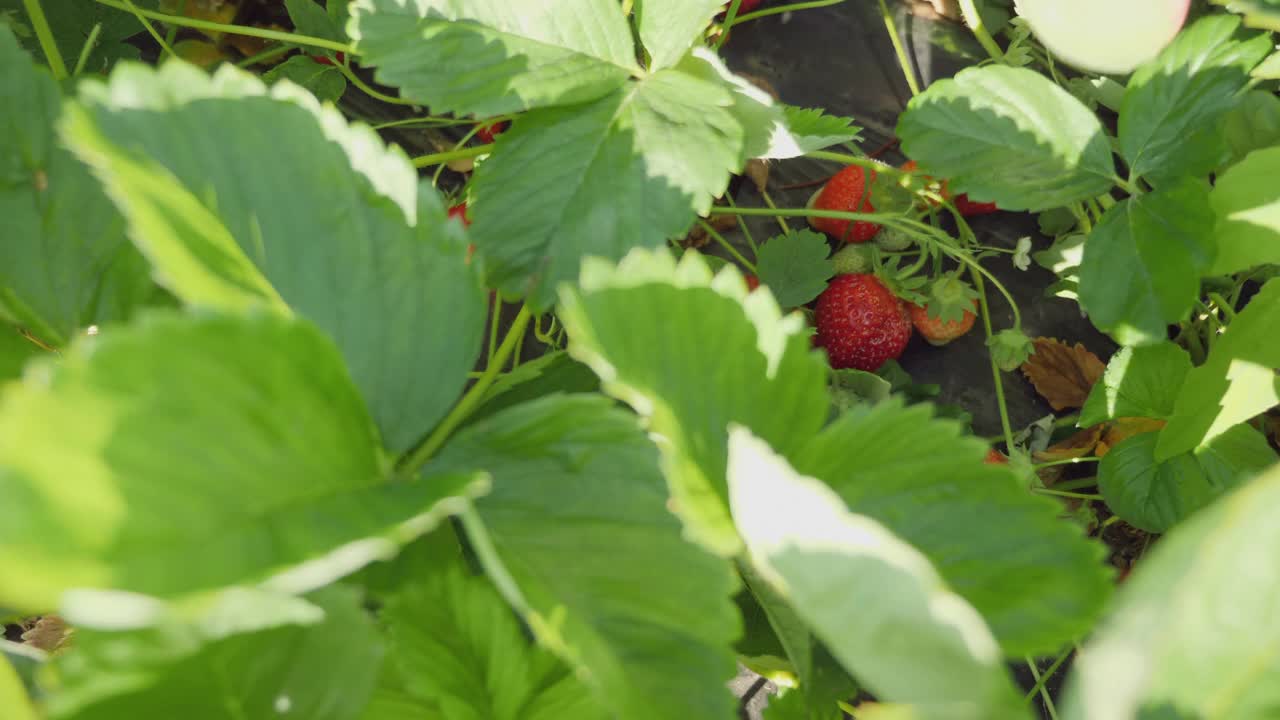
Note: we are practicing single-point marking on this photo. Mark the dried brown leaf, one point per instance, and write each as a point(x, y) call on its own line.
point(1077, 446)
point(1062, 374)
point(49, 633)
point(1122, 429)
point(757, 171)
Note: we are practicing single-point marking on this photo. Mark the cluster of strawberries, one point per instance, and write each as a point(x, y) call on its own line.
point(861, 323)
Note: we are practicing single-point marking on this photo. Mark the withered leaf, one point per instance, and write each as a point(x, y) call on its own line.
point(1077, 446)
point(1062, 374)
point(1124, 428)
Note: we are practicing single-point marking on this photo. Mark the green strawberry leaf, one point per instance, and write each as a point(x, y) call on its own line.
point(850, 387)
point(1010, 348)
point(1142, 263)
point(1163, 645)
point(574, 477)
point(72, 21)
point(355, 239)
point(309, 18)
point(321, 669)
point(667, 144)
point(324, 81)
point(1257, 13)
point(813, 129)
point(1247, 204)
point(494, 58)
point(1237, 381)
point(912, 639)
point(1139, 382)
point(88, 273)
point(669, 27)
point(456, 650)
point(926, 482)
point(1009, 136)
point(735, 341)
point(1254, 124)
point(15, 351)
point(1155, 494)
point(1171, 118)
point(795, 266)
point(179, 438)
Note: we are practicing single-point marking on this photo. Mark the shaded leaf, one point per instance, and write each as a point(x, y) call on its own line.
point(15, 351)
point(1253, 125)
point(459, 652)
point(1139, 382)
point(494, 57)
point(65, 262)
point(323, 670)
point(178, 438)
point(827, 560)
point(795, 266)
point(1009, 136)
point(574, 477)
point(324, 81)
point(1063, 374)
point(1170, 121)
point(1192, 618)
point(354, 238)
point(1237, 381)
point(734, 341)
point(309, 18)
point(1143, 261)
point(1247, 204)
point(1155, 494)
point(71, 22)
point(927, 483)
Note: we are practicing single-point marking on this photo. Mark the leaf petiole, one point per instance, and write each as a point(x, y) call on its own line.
point(263, 33)
point(39, 23)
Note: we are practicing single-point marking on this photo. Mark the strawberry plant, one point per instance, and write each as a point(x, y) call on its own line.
point(393, 359)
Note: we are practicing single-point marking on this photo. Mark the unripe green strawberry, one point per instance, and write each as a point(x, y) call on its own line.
point(893, 240)
point(851, 260)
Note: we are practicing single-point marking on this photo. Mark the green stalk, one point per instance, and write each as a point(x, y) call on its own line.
point(784, 9)
point(491, 562)
point(1044, 692)
point(1068, 461)
point(742, 225)
point(268, 54)
point(435, 177)
point(782, 222)
point(495, 317)
point(1061, 493)
point(87, 49)
point(263, 33)
point(459, 154)
point(419, 456)
point(729, 248)
point(985, 312)
point(729, 16)
point(172, 34)
point(39, 23)
point(366, 88)
point(151, 29)
point(903, 61)
point(864, 162)
point(974, 20)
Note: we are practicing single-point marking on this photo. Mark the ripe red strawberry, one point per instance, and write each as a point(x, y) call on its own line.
point(937, 330)
point(861, 324)
point(847, 191)
point(995, 457)
point(969, 208)
point(753, 282)
point(460, 211)
point(487, 133)
point(324, 59)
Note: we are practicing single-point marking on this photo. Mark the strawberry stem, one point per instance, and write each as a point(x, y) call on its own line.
point(415, 459)
point(908, 69)
point(985, 312)
point(39, 23)
point(974, 20)
point(263, 33)
point(729, 248)
point(781, 9)
point(459, 154)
